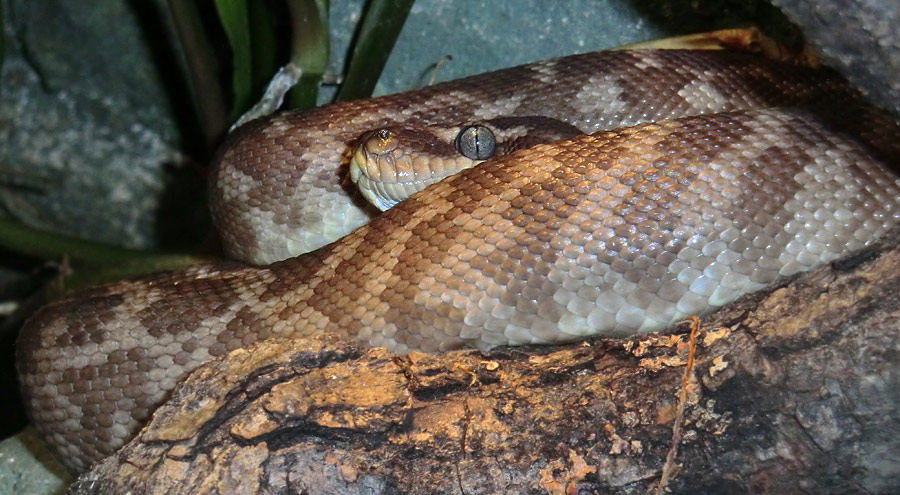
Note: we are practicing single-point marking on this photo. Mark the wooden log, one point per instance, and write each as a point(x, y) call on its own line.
point(793, 389)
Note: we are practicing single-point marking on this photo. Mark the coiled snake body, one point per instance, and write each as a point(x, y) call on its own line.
point(610, 234)
point(279, 186)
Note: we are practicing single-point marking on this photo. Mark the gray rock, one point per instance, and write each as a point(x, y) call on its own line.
point(85, 125)
point(861, 38)
point(26, 467)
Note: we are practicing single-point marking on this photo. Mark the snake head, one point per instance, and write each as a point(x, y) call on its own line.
point(392, 163)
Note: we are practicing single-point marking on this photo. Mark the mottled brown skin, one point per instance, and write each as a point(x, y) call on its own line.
point(612, 233)
point(278, 187)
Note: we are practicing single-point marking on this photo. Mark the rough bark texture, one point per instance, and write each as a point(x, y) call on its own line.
point(794, 389)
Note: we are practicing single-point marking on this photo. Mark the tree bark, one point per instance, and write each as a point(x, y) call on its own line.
point(793, 389)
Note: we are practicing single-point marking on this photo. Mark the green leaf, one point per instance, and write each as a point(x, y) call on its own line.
point(266, 53)
point(201, 70)
point(92, 262)
point(375, 39)
point(309, 50)
point(234, 16)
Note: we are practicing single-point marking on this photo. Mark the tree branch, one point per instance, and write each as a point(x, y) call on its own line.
point(796, 389)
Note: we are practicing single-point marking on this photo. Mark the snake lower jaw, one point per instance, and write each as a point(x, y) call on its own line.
point(390, 189)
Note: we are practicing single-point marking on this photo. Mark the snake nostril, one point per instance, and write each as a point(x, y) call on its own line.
point(378, 141)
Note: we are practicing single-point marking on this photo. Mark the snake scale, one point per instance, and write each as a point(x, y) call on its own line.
point(753, 170)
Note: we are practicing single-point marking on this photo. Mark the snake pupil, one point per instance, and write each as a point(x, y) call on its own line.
point(476, 142)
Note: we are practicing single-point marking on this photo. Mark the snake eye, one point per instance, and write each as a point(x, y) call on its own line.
point(476, 142)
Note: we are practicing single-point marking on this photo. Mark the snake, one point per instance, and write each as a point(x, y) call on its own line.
point(279, 186)
point(694, 178)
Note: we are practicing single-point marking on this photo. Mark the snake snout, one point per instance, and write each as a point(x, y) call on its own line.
point(389, 165)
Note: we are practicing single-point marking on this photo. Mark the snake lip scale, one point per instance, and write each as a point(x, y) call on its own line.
point(609, 233)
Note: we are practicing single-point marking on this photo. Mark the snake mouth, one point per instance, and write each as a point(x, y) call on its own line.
point(386, 172)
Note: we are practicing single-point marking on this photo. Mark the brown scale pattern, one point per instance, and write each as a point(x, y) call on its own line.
point(278, 187)
point(605, 234)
